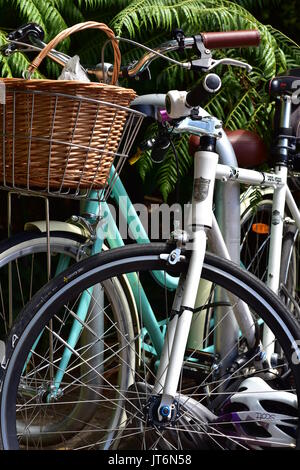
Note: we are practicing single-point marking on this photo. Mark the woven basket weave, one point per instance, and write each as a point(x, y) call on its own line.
point(61, 134)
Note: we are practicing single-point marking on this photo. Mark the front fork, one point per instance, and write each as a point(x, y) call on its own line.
point(169, 370)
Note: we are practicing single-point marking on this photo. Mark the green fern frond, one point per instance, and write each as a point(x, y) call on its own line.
point(238, 116)
point(216, 105)
point(18, 64)
point(167, 175)
point(98, 4)
point(4, 65)
point(69, 11)
point(150, 14)
point(289, 48)
point(144, 165)
point(26, 11)
point(53, 21)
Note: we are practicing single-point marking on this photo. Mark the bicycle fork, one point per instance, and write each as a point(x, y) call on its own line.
point(200, 221)
point(178, 329)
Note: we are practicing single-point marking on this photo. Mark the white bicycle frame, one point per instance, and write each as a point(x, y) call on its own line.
point(225, 243)
point(202, 222)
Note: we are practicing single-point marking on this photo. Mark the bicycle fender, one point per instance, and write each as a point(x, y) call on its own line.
point(56, 225)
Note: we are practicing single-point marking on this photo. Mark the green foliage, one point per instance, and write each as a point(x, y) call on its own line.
point(100, 4)
point(254, 5)
point(243, 100)
point(69, 11)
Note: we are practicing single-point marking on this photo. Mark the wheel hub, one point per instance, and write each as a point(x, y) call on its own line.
point(188, 421)
point(166, 416)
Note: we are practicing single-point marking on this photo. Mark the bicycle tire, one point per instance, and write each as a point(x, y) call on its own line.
point(18, 248)
point(46, 304)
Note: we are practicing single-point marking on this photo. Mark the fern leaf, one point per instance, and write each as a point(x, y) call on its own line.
point(69, 11)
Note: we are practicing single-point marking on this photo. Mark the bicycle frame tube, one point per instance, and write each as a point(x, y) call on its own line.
point(227, 210)
point(278, 206)
point(200, 219)
point(279, 197)
point(120, 195)
point(241, 311)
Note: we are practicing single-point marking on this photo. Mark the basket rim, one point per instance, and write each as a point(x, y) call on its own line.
point(80, 98)
point(79, 194)
point(49, 81)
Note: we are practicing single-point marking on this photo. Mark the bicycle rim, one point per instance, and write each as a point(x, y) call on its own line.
point(23, 268)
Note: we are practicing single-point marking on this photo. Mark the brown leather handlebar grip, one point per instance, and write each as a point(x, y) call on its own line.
point(227, 39)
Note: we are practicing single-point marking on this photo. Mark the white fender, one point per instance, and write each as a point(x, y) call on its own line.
point(56, 225)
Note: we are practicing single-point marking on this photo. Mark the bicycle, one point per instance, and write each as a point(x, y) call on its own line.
point(155, 415)
point(77, 238)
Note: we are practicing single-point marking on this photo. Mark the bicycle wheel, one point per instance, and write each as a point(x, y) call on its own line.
point(23, 268)
point(25, 255)
point(253, 405)
point(255, 241)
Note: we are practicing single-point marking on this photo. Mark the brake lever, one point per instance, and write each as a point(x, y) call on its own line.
point(17, 46)
point(207, 63)
point(8, 49)
point(236, 63)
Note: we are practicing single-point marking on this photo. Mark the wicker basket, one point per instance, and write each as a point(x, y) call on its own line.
point(63, 135)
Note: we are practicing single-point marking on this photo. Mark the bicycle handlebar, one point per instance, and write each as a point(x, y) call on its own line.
point(211, 40)
point(228, 39)
point(201, 92)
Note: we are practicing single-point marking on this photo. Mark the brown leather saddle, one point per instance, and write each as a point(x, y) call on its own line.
point(249, 148)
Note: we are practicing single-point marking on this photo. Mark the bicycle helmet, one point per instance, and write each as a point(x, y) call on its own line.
point(257, 416)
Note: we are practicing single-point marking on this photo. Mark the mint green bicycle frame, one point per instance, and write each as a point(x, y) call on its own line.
point(109, 231)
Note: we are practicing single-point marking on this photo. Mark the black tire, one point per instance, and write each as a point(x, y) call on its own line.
point(20, 251)
point(46, 305)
